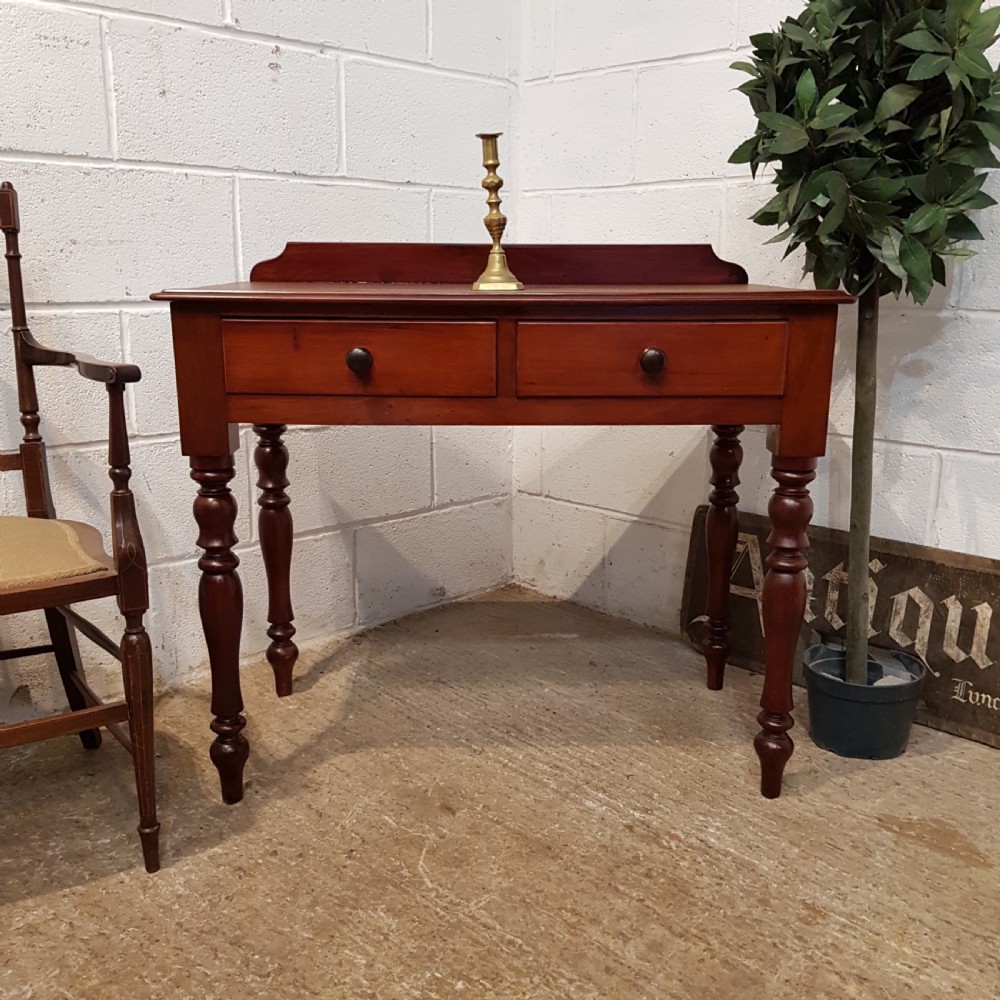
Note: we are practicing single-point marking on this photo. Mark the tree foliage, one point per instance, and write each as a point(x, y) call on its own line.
point(878, 115)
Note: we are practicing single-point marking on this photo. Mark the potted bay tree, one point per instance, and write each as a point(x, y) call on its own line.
point(877, 117)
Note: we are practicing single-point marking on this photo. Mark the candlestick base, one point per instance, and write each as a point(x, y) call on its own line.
point(497, 277)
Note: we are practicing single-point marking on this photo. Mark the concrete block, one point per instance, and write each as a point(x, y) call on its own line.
point(645, 567)
point(527, 465)
point(980, 276)
point(322, 587)
point(630, 31)
point(429, 559)
point(273, 213)
point(905, 483)
point(200, 11)
point(644, 215)
point(164, 494)
point(939, 380)
point(658, 473)
point(174, 624)
point(99, 234)
point(390, 29)
point(73, 408)
point(559, 549)
point(536, 55)
point(416, 127)
point(904, 479)
point(457, 217)
point(149, 345)
point(344, 474)
point(322, 598)
point(277, 110)
point(469, 36)
point(966, 519)
point(744, 241)
point(53, 82)
point(531, 224)
point(689, 120)
point(762, 15)
point(471, 462)
point(756, 484)
point(563, 146)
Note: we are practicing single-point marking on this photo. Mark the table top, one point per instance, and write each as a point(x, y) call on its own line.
point(361, 292)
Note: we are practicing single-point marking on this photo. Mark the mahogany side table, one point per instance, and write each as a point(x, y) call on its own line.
point(341, 333)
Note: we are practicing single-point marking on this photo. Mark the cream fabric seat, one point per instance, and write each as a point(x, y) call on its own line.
point(38, 550)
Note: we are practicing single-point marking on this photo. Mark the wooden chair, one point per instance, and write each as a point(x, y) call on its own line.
point(47, 564)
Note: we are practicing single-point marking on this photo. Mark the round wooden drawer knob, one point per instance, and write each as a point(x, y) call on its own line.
point(653, 361)
point(359, 360)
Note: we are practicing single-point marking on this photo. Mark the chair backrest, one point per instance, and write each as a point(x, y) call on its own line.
point(31, 456)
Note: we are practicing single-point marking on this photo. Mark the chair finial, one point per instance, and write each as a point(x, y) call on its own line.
point(9, 219)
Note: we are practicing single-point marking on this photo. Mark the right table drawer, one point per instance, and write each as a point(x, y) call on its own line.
point(651, 359)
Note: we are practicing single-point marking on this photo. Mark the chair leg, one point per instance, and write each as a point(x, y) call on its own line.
point(137, 670)
point(67, 653)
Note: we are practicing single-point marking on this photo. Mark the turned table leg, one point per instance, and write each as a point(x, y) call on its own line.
point(275, 525)
point(721, 534)
point(220, 598)
point(784, 600)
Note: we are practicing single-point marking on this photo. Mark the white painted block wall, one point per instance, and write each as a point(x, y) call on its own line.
point(174, 143)
point(163, 144)
point(627, 118)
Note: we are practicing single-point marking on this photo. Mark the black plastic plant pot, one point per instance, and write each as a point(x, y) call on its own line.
point(870, 721)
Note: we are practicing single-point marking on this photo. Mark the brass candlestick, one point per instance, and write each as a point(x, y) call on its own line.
point(497, 277)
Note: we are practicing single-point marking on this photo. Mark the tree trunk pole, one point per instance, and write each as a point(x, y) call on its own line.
point(863, 445)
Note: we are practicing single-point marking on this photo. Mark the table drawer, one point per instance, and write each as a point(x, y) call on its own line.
point(310, 357)
point(605, 359)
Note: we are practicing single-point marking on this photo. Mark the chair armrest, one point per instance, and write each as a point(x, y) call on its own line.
point(108, 372)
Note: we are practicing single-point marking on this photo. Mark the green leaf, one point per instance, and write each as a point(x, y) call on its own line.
point(984, 28)
point(890, 252)
point(938, 185)
point(972, 156)
point(830, 96)
point(841, 63)
point(973, 63)
point(895, 99)
point(961, 227)
point(955, 76)
point(977, 201)
point(744, 67)
point(991, 131)
point(915, 259)
point(856, 168)
point(879, 188)
point(780, 238)
point(966, 190)
point(833, 219)
point(789, 141)
point(937, 269)
point(744, 152)
point(839, 136)
point(799, 34)
point(832, 116)
point(777, 122)
point(806, 94)
point(925, 217)
point(928, 66)
point(924, 41)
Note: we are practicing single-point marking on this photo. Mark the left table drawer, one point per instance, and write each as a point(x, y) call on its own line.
point(311, 358)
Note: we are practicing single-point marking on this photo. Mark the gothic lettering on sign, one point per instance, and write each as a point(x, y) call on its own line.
point(936, 604)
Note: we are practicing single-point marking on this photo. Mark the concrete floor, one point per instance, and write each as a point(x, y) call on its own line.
point(509, 797)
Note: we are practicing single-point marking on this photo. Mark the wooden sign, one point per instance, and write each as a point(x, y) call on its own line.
point(935, 603)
